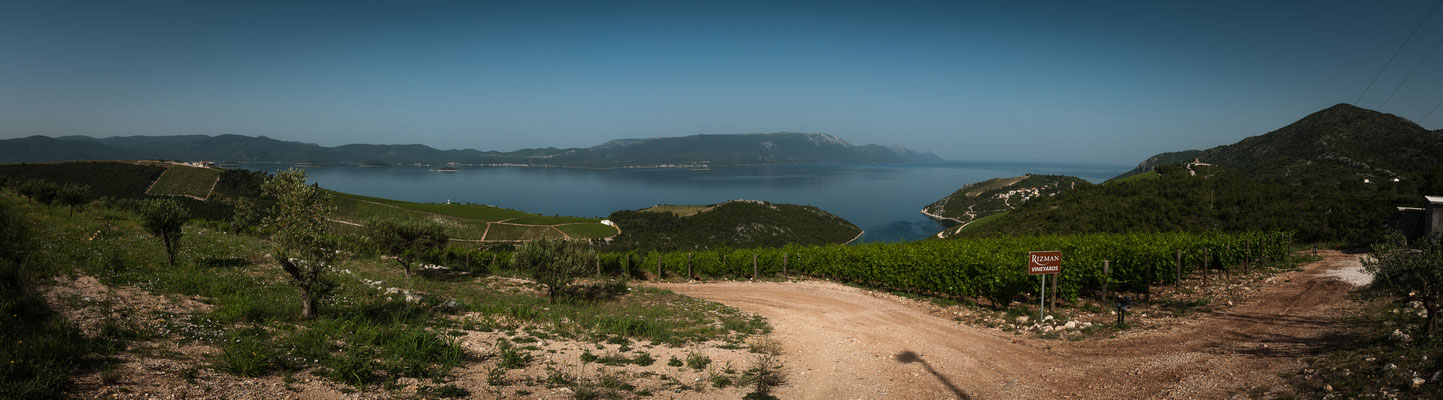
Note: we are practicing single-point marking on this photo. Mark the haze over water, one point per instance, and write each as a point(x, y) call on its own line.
point(883, 199)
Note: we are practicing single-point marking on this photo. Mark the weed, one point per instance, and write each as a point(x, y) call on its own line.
point(451, 391)
point(765, 345)
point(763, 376)
point(697, 361)
point(356, 368)
point(496, 377)
point(674, 362)
point(643, 359)
point(509, 357)
point(246, 356)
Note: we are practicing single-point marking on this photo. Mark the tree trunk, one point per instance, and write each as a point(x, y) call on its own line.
point(1432, 317)
point(169, 249)
point(405, 266)
point(309, 305)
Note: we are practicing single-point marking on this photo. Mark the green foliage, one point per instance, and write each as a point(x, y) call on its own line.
point(72, 195)
point(991, 267)
point(246, 215)
point(1406, 272)
point(981, 199)
point(164, 218)
point(408, 240)
point(304, 246)
point(554, 263)
point(1216, 200)
point(697, 361)
point(510, 357)
point(738, 224)
point(764, 375)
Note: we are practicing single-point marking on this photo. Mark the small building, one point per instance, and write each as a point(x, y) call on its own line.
point(1419, 222)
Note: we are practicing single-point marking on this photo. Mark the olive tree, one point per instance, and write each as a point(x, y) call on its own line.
point(1404, 271)
point(304, 247)
point(553, 262)
point(407, 241)
point(164, 218)
point(72, 195)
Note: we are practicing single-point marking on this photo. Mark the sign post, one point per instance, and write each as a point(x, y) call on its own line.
point(1044, 263)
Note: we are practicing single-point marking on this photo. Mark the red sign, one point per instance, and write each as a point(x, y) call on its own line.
point(1044, 262)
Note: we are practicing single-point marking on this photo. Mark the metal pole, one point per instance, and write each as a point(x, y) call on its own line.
point(1042, 301)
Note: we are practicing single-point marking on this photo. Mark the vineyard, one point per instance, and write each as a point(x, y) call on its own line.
point(993, 268)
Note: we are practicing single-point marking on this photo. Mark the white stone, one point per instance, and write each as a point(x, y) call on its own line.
point(1047, 318)
point(1022, 320)
point(1070, 325)
point(1418, 382)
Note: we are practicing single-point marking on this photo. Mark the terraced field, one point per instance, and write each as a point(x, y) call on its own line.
point(470, 222)
point(180, 180)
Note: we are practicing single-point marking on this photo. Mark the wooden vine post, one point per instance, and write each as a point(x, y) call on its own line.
point(1055, 277)
point(754, 265)
point(1177, 271)
point(658, 266)
point(627, 266)
point(689, 275)
point(1106, 278)
point(784, 264)
point(1205, 266)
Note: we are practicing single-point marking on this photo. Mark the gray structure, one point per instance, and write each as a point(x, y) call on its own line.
point(1422, 222)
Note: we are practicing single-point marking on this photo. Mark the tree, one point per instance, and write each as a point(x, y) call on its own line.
point(304, 246)
point(244, 216)
point(72, 195)
point(164, 218)
point(553, 262)
point(408, 241)
point(1408, 272)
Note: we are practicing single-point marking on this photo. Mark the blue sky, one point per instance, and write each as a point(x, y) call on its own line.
point(1024, 81)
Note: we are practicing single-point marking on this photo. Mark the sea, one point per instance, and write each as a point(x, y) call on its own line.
point(884, 199)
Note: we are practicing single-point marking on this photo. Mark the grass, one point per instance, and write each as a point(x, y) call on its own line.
point(469, 221)
point(588, 230)
point(1139, 177)
point(1366, 349)
point(362, 338)
point(186, 181)
point(984, 221)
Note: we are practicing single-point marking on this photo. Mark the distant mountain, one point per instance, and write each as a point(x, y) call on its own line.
point(763, 148)
point(1339, 143)
point(979, 200)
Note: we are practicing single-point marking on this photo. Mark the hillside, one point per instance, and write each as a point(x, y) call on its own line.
point(734, 224)
point(979, 200)
point(1337, 144)
point(763, 148)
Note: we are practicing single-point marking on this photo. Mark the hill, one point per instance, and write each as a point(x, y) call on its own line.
point(734, 224)
point(1329, 176)
point(1339, 143)
point(979, 200)
point(762, 148)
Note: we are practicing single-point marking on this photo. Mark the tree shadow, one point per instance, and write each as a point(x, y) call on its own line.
point(223, 262)
point(445, 275)
point(594, 293)
point(908, 357)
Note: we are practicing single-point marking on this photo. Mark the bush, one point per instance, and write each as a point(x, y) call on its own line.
point(408, 241)
point(164, 218)
point(554, 263)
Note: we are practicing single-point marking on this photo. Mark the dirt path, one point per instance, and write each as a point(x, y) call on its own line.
point(843, 342)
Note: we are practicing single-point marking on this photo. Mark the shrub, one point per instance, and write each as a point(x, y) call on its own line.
point(164, 219)
point(304, 246)
point(1402, 271)
point(554, 263)
point(408, 241)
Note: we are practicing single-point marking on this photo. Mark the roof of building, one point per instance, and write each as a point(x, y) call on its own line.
point(1434, 199)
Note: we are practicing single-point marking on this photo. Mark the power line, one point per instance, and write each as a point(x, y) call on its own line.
point(1410, 73)
point(1395, 52)
point(1430, 112)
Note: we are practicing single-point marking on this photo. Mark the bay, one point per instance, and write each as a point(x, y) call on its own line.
point(885, 200)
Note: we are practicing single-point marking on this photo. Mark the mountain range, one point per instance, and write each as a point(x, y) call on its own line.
point(734, 149)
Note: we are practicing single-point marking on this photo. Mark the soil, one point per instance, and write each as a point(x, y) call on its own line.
point(843, 342)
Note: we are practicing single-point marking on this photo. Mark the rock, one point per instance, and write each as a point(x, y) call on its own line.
point(1086, 324)
point(1437, 376)
point(1047, 318)
point(1230, 302)
point(1022, 320)
point(1415, 304)
point(1327, 388)
point(411, 298)
point(1070, 325)
point(1390, 367)
point(1418, 382)
point(1399, 336)
point(1047, 328)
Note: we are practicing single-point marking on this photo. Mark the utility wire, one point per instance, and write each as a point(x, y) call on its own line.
point(1410, 73)
point(1430, 112)
point(1395, 52)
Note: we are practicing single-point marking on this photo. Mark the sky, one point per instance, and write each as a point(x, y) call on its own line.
point(1110, 82)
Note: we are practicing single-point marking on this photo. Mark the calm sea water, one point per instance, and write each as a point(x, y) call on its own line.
point(883, 199)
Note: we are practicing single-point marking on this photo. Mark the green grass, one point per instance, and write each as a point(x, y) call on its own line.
point(521, 232)
point(591, 230)
point(362, 337)
point(984, 221)
point(186, 181)
point(679, 210)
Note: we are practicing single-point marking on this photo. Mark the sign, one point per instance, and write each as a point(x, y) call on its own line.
point(1044, 262)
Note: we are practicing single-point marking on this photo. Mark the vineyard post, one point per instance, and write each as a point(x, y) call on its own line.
point(1106, 278)
point(1177, 271)
point(1147, 284)
point(1315, 249)
point(784, 264)
point(1262, 253)
point(598, 267)
point(1227, 273)
point(626, 267)
point(1247, 255)
point(754, 265)
point(689, 275)
point(1205, 266)
point(493, 260)
point(658, 265)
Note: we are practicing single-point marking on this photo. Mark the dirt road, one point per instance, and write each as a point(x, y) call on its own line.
point(843, 342)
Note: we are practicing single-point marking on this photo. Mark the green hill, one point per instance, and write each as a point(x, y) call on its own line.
point(734, 224)
point(1337, 144)
point(979, 200)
